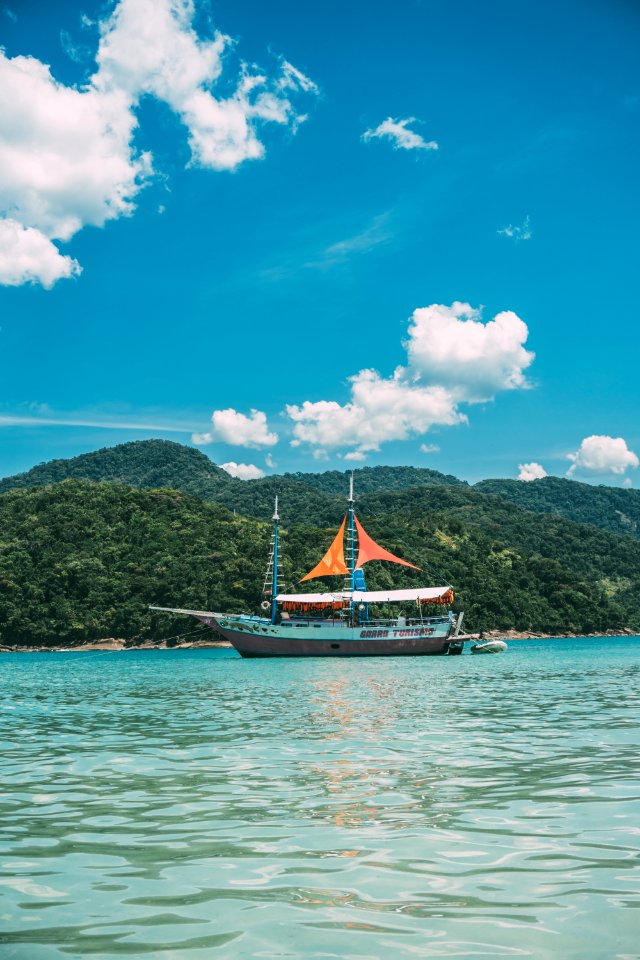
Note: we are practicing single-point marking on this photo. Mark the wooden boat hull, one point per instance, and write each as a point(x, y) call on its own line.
point(253, 638)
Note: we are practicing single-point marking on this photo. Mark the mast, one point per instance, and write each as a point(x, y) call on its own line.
point(352, 534)
point(274, 582)
point(351, 548)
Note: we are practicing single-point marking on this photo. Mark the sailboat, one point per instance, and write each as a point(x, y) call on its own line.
point(341, 623)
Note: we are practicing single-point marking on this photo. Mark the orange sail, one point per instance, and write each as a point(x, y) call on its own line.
point(332, 564)
point(370, 550)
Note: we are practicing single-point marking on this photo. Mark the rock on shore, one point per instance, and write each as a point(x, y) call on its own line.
point(531, 635)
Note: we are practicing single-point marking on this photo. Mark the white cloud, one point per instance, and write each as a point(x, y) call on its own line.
point(627, 482)
point(293, 79)
point(65, 154)
point(398, 132)
point(355, 455)
point(150, 47)
point(602, 454)
point(238, 429)
point(77, 52)
point(377, 232)
point(11, 420)
point(375, 235)
point(429, 448)
point(243, 471)
point(270, 462)
point(27, 256)
point(453, 358)
point(521, 232)
point(531, 471)
point(379, 410)
point(67, 157)
point(453, 347)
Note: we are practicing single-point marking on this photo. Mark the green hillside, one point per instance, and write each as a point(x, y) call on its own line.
point(143, 463)
point(320, 497)
point(608, 561)
point(592, 553)
point(373, 479)
point(298, 503)
point(87, 544)
point(609, 508)
point(151, 464)
point(82, 560)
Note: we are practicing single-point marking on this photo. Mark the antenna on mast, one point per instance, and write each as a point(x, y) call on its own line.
point(351, 488)
point(275, 510)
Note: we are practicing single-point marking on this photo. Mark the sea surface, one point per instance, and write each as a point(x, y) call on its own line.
point(189, 804)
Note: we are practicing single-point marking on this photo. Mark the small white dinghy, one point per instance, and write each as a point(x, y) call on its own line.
point(489, 646)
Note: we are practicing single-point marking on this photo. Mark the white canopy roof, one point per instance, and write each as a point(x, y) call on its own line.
point(325, 598)
point(397, 596)
point(365, 596)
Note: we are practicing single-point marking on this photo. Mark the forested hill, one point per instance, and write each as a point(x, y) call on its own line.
point(320, 497)
point(82, 560)
point(150, 464)
point(86, 544)
point(373, 479)
point(162, 463)
point(609, 508)
point(143, 463)
point(592, 554)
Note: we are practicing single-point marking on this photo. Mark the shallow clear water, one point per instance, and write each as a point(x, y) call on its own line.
point(190, 804)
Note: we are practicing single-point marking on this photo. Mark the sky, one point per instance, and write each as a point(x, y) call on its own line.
point(308, 236)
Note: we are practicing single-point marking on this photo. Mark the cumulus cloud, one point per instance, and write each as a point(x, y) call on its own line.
point(453, 357)
point(67, 154)
point(531, 471)
point(27, 256)
point(521, 232)
point(243, 471)
point(429, 448)
point(398, 132)
point(238, 429)
point(379, 410)
point(355, 455)
point(150, 47)
point(602, 454)
point(475, 360)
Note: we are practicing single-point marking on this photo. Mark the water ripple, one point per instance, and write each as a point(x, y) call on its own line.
point(189, 805)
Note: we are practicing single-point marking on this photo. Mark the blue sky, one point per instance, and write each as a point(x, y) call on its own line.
point(272, 281)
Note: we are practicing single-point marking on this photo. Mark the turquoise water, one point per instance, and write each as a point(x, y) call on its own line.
point(190, 804)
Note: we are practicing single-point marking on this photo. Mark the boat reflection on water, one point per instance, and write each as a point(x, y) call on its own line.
point(372, 784)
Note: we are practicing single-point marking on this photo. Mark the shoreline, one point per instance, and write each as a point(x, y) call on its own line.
point(117, 644)
point(532, 635)
point(114, 644)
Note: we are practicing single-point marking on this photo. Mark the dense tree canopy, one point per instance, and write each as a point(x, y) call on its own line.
point(81, 560)
point(610, 508)
point(87, 544)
